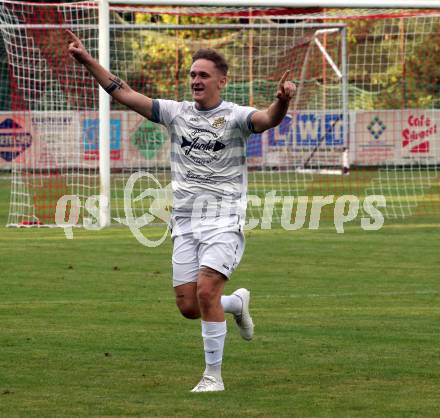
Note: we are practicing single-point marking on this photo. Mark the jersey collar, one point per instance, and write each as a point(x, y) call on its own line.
point(208, 108)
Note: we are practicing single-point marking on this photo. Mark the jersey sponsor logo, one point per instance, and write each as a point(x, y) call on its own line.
point(202, 146)
point(195, 144)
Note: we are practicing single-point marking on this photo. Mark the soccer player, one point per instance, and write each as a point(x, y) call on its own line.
point(209, 182)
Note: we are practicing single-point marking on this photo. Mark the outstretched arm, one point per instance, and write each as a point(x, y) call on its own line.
point(114, 86)
point(274, 114)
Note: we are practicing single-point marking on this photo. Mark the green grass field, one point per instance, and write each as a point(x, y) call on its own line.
point(347, 325)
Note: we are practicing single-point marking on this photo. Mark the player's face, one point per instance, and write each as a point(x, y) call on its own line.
point(206, 83)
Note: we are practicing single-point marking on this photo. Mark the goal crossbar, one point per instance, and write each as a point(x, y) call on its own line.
point(194, 26)
point(388, 4)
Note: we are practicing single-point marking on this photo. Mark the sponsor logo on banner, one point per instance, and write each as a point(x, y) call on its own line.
point(58, 137)
point(310, 130)
point(254, 146)
point(148, 139)
point(376, 127)
point(300, 134)
point(14, 138)
point(418, 133)
point(373, 137)
point(314, 128)
point(91, 139)
point(281, 135)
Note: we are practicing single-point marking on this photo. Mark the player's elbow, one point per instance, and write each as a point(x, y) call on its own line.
point(261, 124)
point(261, 127)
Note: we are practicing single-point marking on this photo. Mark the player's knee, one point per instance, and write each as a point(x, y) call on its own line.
point(190, 313)
point(187, 308)
point(208, 294)
point(206, 297)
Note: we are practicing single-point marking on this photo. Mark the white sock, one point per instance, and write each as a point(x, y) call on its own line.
point(232, 304)
point(213, 334)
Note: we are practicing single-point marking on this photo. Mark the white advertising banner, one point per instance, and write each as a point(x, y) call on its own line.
point(56, 137)
point(39, 140)
point(396, 137)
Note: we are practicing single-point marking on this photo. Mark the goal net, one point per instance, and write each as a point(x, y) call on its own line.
point(364, 119)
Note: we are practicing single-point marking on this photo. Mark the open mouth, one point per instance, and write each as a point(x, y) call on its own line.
point(197, 90)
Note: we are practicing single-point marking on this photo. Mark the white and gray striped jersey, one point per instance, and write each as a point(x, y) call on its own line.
point(208, 155)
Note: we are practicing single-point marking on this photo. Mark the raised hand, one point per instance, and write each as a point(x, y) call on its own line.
point(286, 89)
point(76, 49)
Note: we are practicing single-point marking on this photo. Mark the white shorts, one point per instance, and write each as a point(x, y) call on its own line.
point(217, 243)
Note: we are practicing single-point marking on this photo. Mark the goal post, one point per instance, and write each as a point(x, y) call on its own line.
point(104, 117)
point(365, 107)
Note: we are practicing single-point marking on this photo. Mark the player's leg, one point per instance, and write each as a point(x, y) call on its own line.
point(238, 304)
point(223, 252)
point(210, 285)
point(219, 255)
point(186, 300)
point(231, 304)
point(185, 272)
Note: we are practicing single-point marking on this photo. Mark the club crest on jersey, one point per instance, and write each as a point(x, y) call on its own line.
point(218, 122)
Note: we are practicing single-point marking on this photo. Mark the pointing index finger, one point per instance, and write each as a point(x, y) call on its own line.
point(284, 77)
point(72, 36)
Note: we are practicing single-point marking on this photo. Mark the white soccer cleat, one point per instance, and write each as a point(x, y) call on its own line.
point(244, 320)
point(209, 384)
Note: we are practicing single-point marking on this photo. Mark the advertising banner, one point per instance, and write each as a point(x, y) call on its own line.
point(63, 139)
point(396, 137)
point(16, 137)
point(306, 138)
